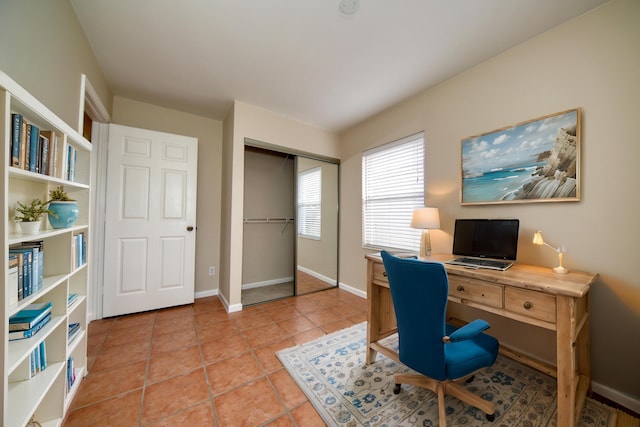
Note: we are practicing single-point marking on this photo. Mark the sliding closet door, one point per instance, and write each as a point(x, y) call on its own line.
point(316, 224)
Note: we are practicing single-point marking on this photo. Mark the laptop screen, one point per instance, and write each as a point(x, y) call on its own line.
point(486, 238)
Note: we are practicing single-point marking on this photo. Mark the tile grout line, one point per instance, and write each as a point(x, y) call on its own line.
point(204, 369)
point(146, 372)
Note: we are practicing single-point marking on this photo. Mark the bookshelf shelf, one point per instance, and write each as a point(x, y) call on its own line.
point(35, 369)
point(19, 350)
point(15, 238)
point(25, 395)
point(40, 178)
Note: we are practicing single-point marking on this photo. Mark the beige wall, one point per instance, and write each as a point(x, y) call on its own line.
point(246, 121)
point(209, 133)
point(43, 48)
point(592, 62)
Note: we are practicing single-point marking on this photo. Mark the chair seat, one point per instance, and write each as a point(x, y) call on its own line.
point(465, 357)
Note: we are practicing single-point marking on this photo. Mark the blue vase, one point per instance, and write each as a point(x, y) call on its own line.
point(67, 213)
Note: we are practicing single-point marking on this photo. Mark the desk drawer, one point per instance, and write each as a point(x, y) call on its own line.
point(476, 291)
point(379, 273)
point(531, 304)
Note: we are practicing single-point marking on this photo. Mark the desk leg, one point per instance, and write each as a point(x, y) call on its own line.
point(566, 360)
point(373, 309)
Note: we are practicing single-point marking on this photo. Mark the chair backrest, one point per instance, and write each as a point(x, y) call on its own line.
point(419, 291)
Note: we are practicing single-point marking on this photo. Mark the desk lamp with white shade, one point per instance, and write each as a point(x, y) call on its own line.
point(425, 219)
point(537, 240)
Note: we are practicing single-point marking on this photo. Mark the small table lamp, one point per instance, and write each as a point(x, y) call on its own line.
point(425, 218)
point(537, 240)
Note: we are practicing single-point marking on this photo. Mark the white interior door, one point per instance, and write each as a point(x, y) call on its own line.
point(150, 220)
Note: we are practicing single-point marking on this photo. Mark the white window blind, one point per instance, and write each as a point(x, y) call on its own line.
point(309, 200)
point(392, 187)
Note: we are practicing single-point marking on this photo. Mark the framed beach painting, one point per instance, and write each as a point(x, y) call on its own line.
point(533, 161)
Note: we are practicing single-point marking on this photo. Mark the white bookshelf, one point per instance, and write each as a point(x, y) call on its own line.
point(45, 397)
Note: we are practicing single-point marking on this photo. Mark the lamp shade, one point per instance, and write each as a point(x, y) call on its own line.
point(425, 218)
point(537, 238)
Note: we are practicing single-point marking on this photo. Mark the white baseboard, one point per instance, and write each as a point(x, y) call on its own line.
point(266, 283)
point(205, 294)
point(317, 275)
point(352, 290)
point(623, 399)
point(229, 308)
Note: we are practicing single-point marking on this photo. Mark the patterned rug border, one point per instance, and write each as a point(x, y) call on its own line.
point(326, 415)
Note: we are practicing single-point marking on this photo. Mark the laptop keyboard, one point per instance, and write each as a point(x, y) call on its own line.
point(482, 263)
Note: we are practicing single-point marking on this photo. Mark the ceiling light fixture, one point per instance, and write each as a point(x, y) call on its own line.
point(349, 7)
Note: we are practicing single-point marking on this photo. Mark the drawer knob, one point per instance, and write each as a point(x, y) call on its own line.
point(527, 305)
point(460, 288)
point(384, 273)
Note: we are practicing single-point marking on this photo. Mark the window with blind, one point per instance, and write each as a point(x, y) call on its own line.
point(309, 200)
point(392, 187)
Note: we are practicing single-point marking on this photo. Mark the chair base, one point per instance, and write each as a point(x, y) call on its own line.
point(446, 387)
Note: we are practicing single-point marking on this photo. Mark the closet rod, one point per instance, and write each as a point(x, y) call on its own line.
point(267, 220)
point(284, 221)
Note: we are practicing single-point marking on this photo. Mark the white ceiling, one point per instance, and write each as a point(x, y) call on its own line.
point(302, 58)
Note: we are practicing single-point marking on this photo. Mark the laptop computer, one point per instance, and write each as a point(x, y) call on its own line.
point(485, 243)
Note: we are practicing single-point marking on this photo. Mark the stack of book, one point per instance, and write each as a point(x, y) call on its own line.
point(28, 321)
point(29, 257)
point(74, 331)
point(71, 299)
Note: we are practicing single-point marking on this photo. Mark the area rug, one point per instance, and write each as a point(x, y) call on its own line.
point(347, 392)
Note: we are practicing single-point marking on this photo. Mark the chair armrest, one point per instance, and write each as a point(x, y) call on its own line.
point(469, 330)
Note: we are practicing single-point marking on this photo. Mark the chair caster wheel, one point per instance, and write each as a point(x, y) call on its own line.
point(396, 389)
point(491, 417)
point(470, 379)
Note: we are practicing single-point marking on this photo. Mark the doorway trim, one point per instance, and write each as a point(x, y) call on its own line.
point(91, 103)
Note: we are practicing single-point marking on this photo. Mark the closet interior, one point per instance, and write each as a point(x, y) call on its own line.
point(290, 232)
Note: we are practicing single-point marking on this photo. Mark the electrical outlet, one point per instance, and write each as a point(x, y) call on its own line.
point(212, 271)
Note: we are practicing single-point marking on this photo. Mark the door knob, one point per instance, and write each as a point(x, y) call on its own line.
point(189, 228)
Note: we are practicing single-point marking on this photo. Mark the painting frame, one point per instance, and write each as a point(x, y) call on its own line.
point(533, 161)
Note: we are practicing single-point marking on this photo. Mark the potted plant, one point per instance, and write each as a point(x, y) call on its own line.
point(64, 208)
point(29, 216)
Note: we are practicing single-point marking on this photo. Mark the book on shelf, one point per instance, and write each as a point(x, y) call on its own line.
point(27, 270)
point(71, 163)
point(43, 157)
point(32, 267)
point(29, 316)
point(71, 373)
point(51, 153)
point(20, 258)
point(74, 331)
point(16, 128)
point(12, 279)
point(71, 299)
point(34, 138)
point(79, 246)
point(38, 359)
point(19, 335)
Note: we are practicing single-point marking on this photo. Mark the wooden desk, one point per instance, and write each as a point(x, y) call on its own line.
point(533, 295)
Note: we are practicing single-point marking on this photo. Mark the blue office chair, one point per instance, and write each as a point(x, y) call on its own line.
point(442, 354)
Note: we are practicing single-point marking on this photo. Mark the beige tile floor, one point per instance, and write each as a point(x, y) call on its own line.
point(198, 365)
